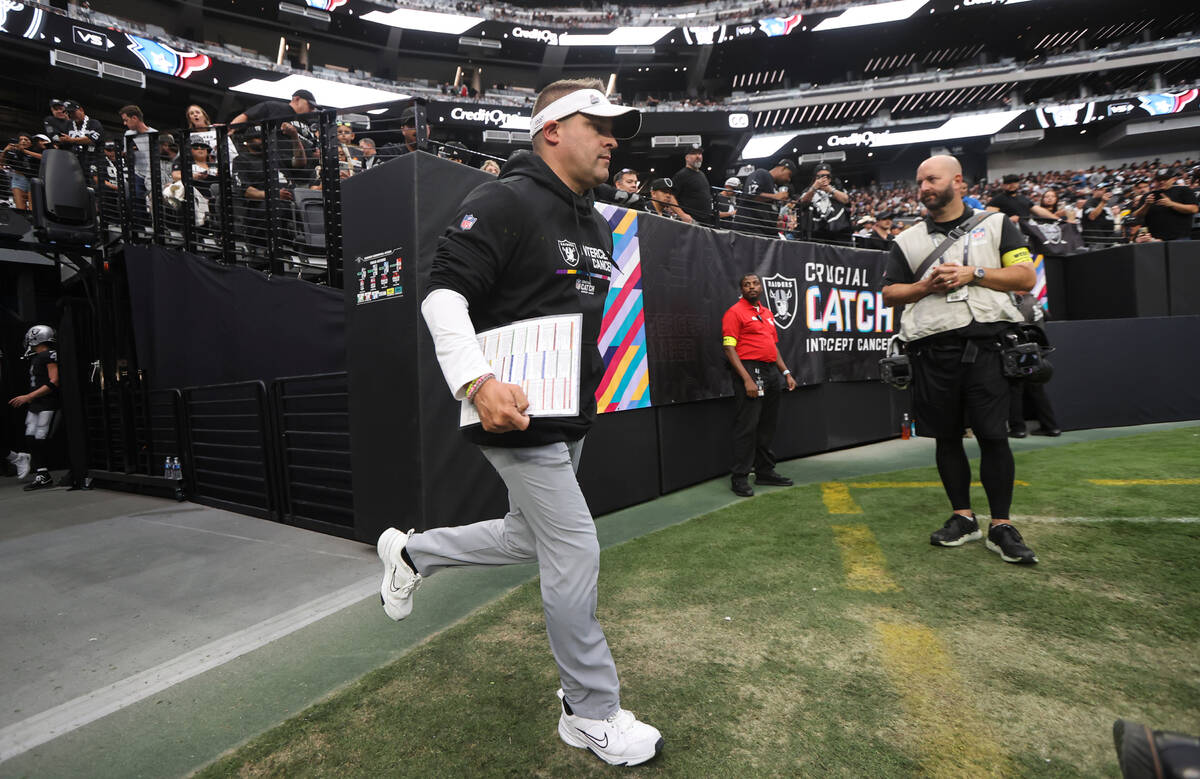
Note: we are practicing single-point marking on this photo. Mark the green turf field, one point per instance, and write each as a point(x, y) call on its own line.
point(775, 638)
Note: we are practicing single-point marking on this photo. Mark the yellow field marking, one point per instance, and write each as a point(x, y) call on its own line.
point(837, 498)
point(953, 740)
point(866, 568)
point(904, 485)
point(1140, 482)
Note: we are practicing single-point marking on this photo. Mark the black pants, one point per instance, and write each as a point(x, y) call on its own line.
point(953, 380)
point(1026, 399)
point(754, 419)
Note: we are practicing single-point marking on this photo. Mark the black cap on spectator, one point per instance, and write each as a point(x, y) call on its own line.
point(408, 117)
point(662, 185)
point(884, 215)
point(786, 163)
point(1165, 173)
point(1011, 178)
point(197, 141)
point(55, 102)
point(695, 148)
point(304, 93)
point(71, 105)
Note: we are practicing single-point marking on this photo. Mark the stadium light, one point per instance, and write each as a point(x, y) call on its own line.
point(765, 144)
point(429, 21)
point(957, 127)
point(333, 94)
point(622, 36)
point(871, 14)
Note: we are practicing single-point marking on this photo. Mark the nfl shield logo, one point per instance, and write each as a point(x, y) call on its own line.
point(570, 252)
point(467, 222)
point(783, 296)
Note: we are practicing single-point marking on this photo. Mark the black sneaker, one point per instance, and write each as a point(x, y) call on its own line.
point(772, 479)
point(741, 486)
point(41, 481)
point(1004, 540)
point(957, 531)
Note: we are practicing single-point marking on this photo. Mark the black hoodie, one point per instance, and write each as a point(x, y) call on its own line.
point(526, 246)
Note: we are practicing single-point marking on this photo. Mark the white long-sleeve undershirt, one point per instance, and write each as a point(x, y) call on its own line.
point(447, 315)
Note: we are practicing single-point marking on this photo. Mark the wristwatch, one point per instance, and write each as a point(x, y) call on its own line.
point(978, 274)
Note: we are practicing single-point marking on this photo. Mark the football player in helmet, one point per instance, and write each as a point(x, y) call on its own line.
point(41, 402)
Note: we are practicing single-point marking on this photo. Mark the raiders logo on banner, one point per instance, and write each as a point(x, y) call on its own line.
point(783, 295)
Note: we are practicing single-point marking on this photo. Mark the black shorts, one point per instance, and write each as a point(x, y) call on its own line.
point(949, 394)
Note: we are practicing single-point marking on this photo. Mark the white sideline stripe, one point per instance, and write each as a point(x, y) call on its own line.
point(247, 538)
point(50, 724)
point(1147, 520)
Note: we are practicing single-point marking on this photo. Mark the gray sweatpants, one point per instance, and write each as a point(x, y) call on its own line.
point(548, 521)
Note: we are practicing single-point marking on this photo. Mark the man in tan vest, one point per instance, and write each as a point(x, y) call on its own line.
point(956, 311)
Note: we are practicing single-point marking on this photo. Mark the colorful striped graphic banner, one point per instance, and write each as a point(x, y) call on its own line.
point(1039, 288)
point(626, 382)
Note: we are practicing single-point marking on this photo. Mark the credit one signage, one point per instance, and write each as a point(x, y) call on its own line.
point(477, 116)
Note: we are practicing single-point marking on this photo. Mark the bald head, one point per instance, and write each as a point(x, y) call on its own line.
point(942, 163)
point(938, 180)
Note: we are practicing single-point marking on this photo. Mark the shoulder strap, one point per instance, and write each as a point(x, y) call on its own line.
point(951, 237)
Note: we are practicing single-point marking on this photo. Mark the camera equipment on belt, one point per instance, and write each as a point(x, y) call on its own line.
point(895, 369)
point(1023, 354)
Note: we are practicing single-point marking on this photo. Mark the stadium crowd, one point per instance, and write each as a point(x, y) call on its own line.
point(1068, 195)
point(1108, 203)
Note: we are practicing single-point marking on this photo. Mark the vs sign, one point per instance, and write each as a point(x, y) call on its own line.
point(92, 38)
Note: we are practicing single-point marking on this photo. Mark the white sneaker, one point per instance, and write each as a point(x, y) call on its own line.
point(22, 463)
point(399, 581)
point(617, 740)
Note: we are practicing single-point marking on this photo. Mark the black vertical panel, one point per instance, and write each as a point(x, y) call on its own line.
point(857, 413)
point(197, 322)
point(1116, 372)
point(695, 441)
point(411, 466)
point(1123, 281)
point(1183, 277)
point(619, 466)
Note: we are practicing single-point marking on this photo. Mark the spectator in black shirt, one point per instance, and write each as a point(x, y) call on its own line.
point(408, 128)
point(725, 202)
point(828, 215)
point(296, 138)
point(250, 187)
point(1167, 210)
point(1096, 221)
point(880, 236)
point(623, 191)
point(664, 203)
point(692, 189)
point(57, 123)
point(757, 211)
point(1013, 204)
point(84, 133)
point(370, 155)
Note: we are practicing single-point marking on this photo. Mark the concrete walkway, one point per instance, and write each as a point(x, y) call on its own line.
point(144, 637)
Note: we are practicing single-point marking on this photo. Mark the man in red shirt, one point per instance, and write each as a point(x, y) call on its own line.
point(749, 337)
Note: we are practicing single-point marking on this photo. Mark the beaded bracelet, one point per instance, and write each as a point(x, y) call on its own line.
point(473, 387)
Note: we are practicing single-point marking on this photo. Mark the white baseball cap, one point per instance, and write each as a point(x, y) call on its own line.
point(626, 119)
point(733, 181)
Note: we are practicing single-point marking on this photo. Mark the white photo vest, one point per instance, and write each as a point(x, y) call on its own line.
point(932, 314)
